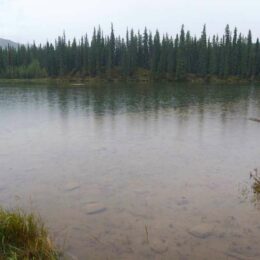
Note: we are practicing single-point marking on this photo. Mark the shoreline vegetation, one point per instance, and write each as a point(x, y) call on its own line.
point(80, 81)
point(139, 56)
point(23, 236)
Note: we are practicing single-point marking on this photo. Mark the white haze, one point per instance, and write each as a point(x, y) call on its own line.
point(28, 20)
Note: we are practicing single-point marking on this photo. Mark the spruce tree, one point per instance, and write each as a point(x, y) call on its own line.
point(203, 59)
point(181, 72)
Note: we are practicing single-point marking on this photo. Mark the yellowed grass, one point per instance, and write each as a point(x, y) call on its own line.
point(23, 236)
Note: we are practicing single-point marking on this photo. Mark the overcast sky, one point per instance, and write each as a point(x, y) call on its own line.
point(27, 20)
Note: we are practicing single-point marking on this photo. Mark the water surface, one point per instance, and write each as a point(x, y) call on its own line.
point(126, 171)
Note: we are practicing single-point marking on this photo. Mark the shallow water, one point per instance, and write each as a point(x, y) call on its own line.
point(127, 171)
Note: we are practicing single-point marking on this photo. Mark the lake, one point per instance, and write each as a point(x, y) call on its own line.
point(132, 171)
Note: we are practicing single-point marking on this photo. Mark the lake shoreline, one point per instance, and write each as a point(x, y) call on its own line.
point(93, 80)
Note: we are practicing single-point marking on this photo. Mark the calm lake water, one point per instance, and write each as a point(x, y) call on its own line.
point(126, 171)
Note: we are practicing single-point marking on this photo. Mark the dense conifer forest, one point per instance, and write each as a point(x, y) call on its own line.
point(138, 54)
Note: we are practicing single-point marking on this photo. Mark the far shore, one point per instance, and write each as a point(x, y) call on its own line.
point(77, 81)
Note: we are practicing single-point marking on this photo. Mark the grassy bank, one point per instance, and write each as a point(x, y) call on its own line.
point(23, 236)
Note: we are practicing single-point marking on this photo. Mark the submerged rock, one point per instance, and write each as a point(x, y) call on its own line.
point(95, 208)
point(158, 247)
point(230, 222)
point(254, 119)
point(245, 250)
point(70, 186)
point(203, 230)
point(182, 202)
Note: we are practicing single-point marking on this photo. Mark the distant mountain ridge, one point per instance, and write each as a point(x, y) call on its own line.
point(4, 43)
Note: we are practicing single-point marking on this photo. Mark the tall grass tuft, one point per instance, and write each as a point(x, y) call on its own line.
point(256, 184)
point(23, 236)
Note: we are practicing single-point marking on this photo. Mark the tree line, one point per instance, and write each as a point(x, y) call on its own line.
point(153, 55)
